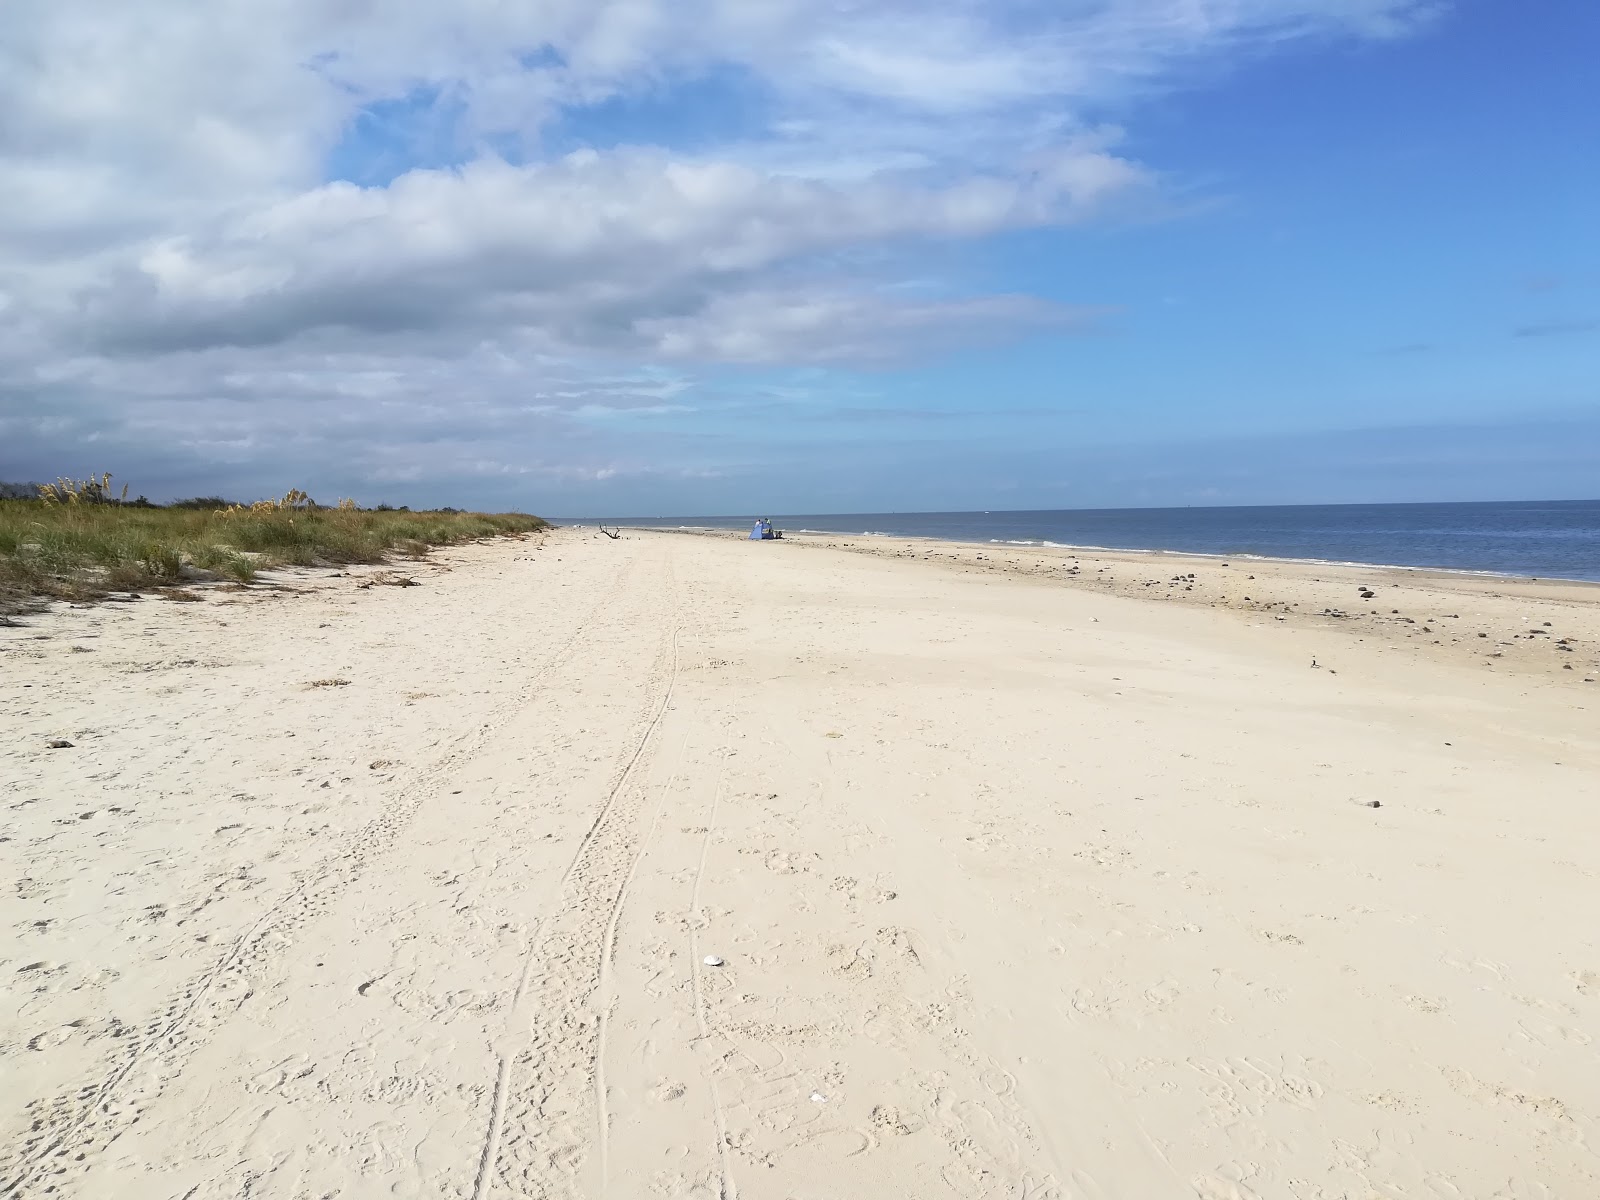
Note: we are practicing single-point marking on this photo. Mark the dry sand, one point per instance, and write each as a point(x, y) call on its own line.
point(1025, 884)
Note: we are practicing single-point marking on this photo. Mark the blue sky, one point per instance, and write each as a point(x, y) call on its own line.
point(644, 259)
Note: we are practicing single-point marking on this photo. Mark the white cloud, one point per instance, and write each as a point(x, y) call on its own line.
point(589, 253)
point(176, 269)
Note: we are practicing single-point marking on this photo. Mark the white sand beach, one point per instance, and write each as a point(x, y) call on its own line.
point(684, 866)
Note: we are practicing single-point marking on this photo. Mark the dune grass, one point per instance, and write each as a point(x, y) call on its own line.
point(83, 545)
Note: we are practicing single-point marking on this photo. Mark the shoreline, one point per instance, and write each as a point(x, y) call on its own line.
point(1044, 544)
point(1509, 624)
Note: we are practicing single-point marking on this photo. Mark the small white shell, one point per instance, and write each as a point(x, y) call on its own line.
point(711, 960)
point(819, 1097)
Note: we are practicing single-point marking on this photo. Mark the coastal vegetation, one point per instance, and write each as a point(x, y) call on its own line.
point(78, 540)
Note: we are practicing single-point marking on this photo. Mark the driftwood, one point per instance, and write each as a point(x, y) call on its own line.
point(612, 534)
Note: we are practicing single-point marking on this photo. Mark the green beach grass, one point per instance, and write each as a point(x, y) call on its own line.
point(77, 542)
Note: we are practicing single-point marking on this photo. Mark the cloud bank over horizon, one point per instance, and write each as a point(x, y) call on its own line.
point(510, 250)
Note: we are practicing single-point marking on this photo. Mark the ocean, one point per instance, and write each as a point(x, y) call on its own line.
point(1556, 539)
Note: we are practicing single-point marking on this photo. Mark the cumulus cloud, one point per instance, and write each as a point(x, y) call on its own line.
point(591, 252)
point(184, 275)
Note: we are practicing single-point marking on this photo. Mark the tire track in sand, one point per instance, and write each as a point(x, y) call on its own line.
point(68, 1130)
point(607, 992)
point(549, 1103)
point(729, 1190)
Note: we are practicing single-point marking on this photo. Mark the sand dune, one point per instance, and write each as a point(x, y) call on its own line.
point(1021, 885)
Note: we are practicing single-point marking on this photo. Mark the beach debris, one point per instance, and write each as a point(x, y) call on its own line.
point(58, 744)
point(818, 1098)
point(1372, 804)
point(321, 683)
point(713, 960)
point(1315, 665)
point(389, 579)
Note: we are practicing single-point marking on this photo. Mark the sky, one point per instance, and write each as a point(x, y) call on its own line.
point(662, 257)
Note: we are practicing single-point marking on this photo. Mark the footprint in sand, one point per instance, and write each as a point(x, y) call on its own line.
point(1212, 1187)
point(888, 1120)
point(847, 963)
point(783, 862)
point(1163, 995)
point(52, 1038)
point(275, 1078)
point(664, 1090)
